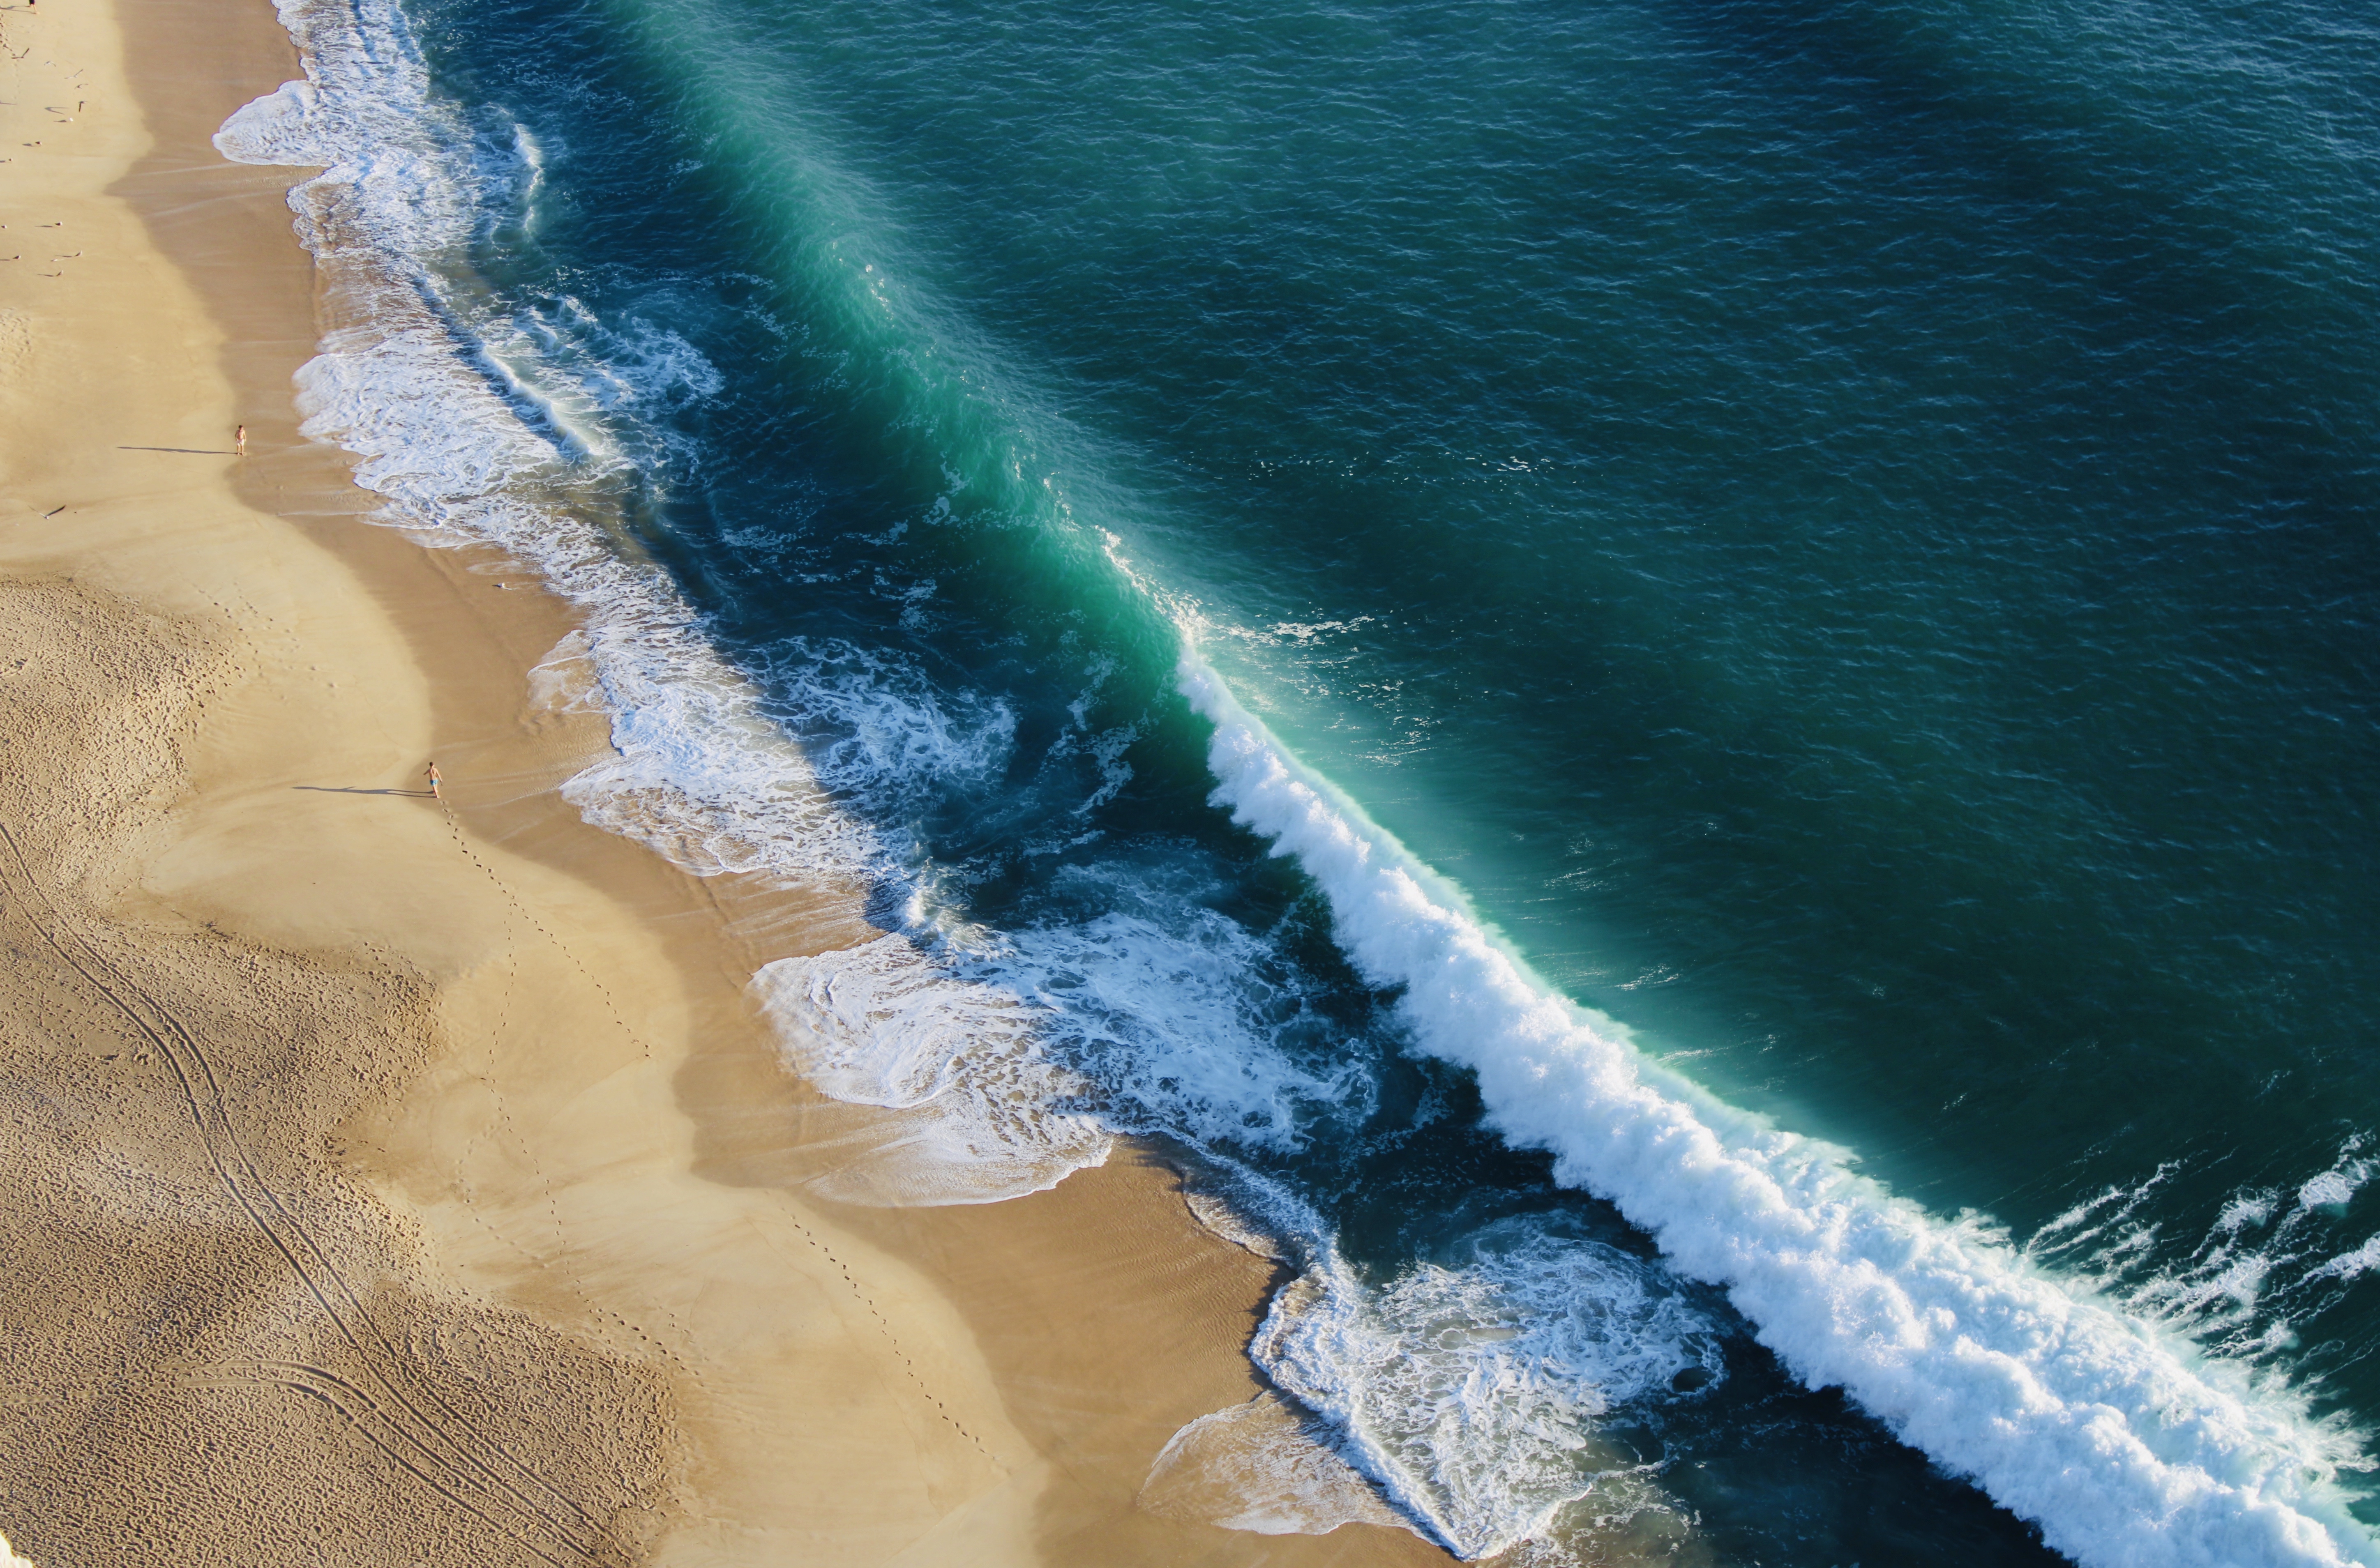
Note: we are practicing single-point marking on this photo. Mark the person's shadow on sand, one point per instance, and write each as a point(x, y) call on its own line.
point(355, 790)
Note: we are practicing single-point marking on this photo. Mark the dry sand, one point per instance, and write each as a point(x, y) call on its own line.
point(402, 1182)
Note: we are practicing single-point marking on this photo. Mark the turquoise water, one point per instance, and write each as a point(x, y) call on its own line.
point(1838, 531)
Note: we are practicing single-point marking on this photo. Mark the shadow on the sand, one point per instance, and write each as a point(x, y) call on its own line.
point(354, 790)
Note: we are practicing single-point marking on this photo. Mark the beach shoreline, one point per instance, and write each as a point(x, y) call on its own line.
point(522, 1146)
point(638, 721)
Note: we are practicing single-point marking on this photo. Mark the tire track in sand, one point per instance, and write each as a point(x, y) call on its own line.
point(448, 1449)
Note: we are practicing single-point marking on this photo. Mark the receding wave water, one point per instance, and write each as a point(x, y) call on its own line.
point(1071, 949)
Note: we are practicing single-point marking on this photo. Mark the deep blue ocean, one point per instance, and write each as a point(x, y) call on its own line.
point(1686, 691)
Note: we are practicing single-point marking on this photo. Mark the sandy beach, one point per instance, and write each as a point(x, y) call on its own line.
point(400, 1180)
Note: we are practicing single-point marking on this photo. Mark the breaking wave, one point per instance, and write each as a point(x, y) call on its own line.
point(2126, 1444)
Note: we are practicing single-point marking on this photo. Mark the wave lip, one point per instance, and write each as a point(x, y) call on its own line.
point(2125, 1445)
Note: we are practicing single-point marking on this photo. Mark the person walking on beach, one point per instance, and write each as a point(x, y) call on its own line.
point(432, 772)
point(240, 440)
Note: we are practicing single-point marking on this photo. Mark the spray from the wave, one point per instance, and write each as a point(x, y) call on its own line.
point(2268, 1262)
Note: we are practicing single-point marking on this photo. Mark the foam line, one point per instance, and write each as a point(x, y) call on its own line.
point(2128, 1446)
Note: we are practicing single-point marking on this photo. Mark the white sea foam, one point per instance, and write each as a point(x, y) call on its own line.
point(2337, 1185)
point(1263, 1466)
point(1032, 1049)
point(1188, 1022)
point(2347, 1265)
point(2128, 1446)
point(886, 1024)
point(1471, 1393)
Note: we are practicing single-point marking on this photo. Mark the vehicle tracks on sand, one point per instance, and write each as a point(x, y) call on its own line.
point(388, 1401)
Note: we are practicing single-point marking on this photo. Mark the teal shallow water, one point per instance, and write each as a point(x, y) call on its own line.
point(1843, 528)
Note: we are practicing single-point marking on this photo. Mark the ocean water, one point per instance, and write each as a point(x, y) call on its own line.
point(1684, 693)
